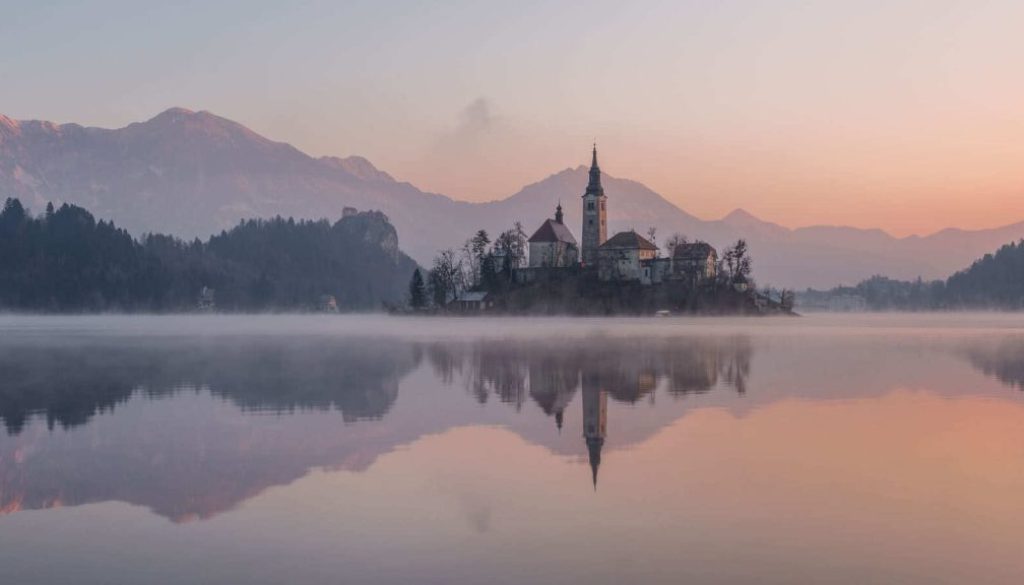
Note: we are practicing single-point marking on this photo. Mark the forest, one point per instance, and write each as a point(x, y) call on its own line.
point(64, 260)
point(994, 281)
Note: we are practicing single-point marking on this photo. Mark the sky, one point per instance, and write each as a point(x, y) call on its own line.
point(903, 115)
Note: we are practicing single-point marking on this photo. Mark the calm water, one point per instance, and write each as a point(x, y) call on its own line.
point(871, 449)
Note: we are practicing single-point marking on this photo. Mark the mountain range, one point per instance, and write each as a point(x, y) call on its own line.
point(192, 174)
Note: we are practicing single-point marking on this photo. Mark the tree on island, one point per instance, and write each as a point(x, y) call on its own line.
point(417, 291)
point(474, 253)
point(737, 262)
point(511, 246)
point(445, 277)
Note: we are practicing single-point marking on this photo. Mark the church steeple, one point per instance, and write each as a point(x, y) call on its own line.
point(595, 420)
point(558, 213)
point(595, 214)
point(594, 445)
point(594, 186)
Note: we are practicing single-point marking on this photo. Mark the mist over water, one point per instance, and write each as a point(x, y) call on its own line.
point(376, 449)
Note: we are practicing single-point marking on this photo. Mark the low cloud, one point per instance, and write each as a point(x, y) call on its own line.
point(474, 123)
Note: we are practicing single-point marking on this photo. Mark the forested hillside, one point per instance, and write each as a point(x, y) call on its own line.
point(65, 260)
point(995, 281)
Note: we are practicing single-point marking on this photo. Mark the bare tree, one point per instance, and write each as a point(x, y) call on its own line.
point(511, 245)
point(446, 277)
point(674, 241)
point(737, 261)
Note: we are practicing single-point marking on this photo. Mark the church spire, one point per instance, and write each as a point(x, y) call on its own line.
point(558, 213)
point(594, 186)
point(594, 445)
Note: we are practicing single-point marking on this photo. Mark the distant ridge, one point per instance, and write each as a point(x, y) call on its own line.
point(193, 173)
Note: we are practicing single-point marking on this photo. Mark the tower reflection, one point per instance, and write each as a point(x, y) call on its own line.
point(595, 421)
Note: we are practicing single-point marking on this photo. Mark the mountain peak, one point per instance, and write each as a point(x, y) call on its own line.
point(182, 122)
point(171, 115)
point(175, 111)
point(8, 127)
point(358, 167)
point(740, 215)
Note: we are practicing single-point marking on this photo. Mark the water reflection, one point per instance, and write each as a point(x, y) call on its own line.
point(190, 428)
point(1001, 359)
point(551, 372)
point(70, 382)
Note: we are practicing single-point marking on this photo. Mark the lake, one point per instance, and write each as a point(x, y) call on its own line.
point(374, 449)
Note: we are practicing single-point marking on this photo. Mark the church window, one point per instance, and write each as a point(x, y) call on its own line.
point(590, 206)
point(590, 222)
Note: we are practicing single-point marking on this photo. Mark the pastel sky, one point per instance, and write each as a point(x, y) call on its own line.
point(907, 116)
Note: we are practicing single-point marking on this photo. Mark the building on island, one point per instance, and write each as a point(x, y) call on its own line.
point(553, 245)
point(595, 215)
point(696, 262)
point(655, 270)
point(470, 301)
point(621, 257)
point(625, 257)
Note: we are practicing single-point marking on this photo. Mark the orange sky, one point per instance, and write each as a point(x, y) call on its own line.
point(906, 115)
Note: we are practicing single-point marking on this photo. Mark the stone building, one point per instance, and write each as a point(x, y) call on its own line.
point(621, 257)
point(595, 215)
point(553, 245)
point(696, 262)
point(655, 270)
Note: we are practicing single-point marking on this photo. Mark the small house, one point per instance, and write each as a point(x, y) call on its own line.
point(468, 302)
point(696, 262)
point(620, 258)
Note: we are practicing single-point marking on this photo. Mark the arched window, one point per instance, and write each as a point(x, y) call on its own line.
point(590, 206)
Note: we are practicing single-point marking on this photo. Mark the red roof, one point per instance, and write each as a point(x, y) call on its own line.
point(552, 231)
point(630, 240)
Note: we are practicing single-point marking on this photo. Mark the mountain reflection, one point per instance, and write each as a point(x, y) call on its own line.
point(189, 428)
point(179, 425)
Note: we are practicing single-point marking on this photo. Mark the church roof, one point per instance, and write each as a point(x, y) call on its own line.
point(552, 231)
point(697, 250)
point(630, 240)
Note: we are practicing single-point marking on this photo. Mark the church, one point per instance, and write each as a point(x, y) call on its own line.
point(625, 257)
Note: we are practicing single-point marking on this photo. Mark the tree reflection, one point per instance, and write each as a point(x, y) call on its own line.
point(1002, 360)
point(195, 457)
point(69, 383)
point(551, 372)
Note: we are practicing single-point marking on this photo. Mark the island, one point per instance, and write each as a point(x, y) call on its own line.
point(550, 272)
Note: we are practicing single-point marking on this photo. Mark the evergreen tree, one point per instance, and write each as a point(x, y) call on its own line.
point(417, 291)
point(67, 261)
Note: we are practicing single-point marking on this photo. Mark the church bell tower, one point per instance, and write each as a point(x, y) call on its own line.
point(595, 215)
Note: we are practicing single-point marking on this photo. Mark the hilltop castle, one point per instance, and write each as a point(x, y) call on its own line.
point(626, 256)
